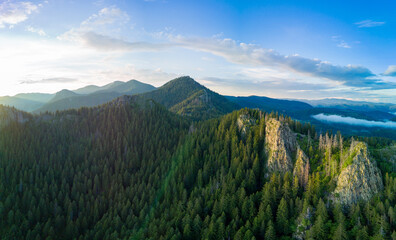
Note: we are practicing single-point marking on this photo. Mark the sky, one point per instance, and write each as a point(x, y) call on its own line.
point(281, 49)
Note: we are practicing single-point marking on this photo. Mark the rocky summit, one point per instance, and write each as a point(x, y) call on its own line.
point(280, 146)
point(360, 178)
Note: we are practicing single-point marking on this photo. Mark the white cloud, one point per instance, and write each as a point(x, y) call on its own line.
point(105, 43)
point(108, 21)
point(36, 30)
point(369, 23)
point(391, 71)
point(50, 80)
point(353, 121)
point(261, 69)
point(32, 60)
point(246, 55)
point(340, 43)
point(12, 13)
point(250, 54)
point(95, 32)
point(343, 44)
point(105, 16)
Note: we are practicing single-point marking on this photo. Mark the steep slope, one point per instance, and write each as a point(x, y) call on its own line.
point(284, 153)
point(188, 98)
point(280, 146)
point(360, 179)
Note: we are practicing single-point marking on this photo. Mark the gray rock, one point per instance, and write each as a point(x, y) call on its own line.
point(360, 179)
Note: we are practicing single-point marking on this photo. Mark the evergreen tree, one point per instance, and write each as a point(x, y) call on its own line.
point(270, 233)
point(282, 218)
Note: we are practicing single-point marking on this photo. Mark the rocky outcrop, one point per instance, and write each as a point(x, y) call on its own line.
point(245, 122)
point(8, 115)
point(304, 223)
point(280, 146)
point(301, 168)
point(360, 178)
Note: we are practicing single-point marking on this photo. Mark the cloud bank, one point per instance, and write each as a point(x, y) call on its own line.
point(105, 43)
point(12, 13)
point(97, 32)
point(391, 71)
point(353, 121)
point(247, 54)
point(242, 53)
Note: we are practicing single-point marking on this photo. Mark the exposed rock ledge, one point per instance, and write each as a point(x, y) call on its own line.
point(280, 146)
point(360, 180)
point(245, 122)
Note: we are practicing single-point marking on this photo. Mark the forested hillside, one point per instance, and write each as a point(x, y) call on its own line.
point(131, 169)
point(73, 173)
point(187, 97)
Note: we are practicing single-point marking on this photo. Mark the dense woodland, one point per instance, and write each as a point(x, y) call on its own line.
point(137, 171)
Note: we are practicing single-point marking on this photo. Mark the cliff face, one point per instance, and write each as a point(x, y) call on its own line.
point(301, 168)
point(245, 122)
point(280, 146)
point(360, 179)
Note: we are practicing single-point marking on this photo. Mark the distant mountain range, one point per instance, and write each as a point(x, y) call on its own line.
point(88, 96)
point(349, 104)
point(187, 97)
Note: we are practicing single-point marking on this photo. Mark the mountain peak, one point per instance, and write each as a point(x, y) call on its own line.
point(182, 81)
point(133, 81)
point(64, 93)
point(187, 97)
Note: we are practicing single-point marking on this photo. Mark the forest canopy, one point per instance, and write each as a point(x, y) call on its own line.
point(128, 170)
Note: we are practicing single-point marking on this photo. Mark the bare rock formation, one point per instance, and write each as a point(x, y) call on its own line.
point(280, 146)
point(360, 177)
point(301, 168)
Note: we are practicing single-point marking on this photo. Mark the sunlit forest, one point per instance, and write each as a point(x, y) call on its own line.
point(137, 171)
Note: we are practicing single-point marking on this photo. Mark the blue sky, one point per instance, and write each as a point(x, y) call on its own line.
point(283, 49)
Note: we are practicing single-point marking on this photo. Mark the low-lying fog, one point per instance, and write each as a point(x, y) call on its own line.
point(353, 121)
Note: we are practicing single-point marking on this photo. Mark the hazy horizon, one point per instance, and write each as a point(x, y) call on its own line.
point(247, 95)
point(309, 50)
